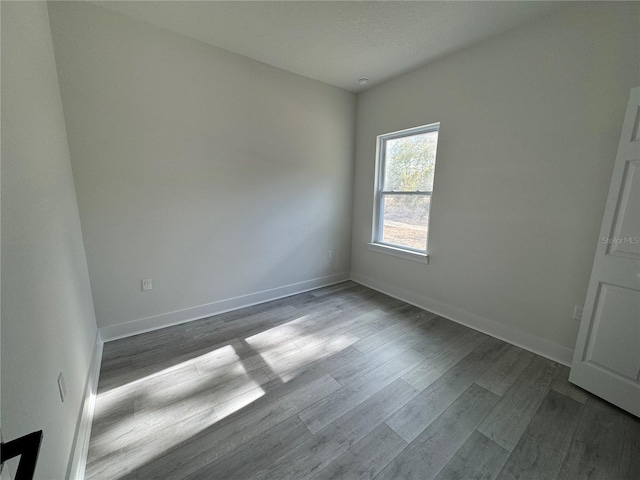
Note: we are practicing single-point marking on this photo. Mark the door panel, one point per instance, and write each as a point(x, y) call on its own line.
point(624, 240)
point(615, 333)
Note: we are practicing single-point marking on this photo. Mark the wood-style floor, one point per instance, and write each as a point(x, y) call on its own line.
point(344, 382)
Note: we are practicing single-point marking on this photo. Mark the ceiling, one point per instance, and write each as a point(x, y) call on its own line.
point(338, 42)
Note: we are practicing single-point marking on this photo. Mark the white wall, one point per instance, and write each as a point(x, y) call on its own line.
point(215, 175)
point(48, 323)
point(530, 122)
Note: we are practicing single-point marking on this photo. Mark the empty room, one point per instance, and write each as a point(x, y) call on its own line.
point(264, 240)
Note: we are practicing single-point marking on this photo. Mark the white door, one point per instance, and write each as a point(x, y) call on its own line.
point(607, 356)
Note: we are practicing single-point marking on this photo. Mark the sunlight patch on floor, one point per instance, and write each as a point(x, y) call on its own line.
point(136, 437)
point(216, 385)
point(286, 368)
point(239, 402)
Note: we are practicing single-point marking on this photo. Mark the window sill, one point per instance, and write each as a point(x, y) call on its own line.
point(399, 252)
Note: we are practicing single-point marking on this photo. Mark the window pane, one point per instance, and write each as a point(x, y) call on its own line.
point(410, 162)
point(405, 219)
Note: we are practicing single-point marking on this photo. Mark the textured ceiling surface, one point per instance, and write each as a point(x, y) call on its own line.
point(338, 42)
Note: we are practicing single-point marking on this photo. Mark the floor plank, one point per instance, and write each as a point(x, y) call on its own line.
point(544, 444)
point(242, 463)
point(428, 454)
point(352, 371)
point(340, 402)
point(605, 445)
point(441, 360)
point(479, 458)
point(418, 414)
point(390, 333)
point(506, 371)
point(210, 446)
point(365, 459)
point(509, 419)
point(310, 457)
point(562, 385)
point(129, 452)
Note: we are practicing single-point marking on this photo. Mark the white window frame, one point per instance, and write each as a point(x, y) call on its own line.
point(376, 243)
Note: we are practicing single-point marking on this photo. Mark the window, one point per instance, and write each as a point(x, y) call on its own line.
point(405, 170)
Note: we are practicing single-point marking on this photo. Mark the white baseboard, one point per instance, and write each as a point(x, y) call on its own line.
point(78, 459)
point(517, 337)
point(147, 324)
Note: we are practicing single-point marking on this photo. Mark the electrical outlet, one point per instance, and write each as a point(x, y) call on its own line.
point(577, 313)
point(146, 284)
point(62, 387)
point(330, 255)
